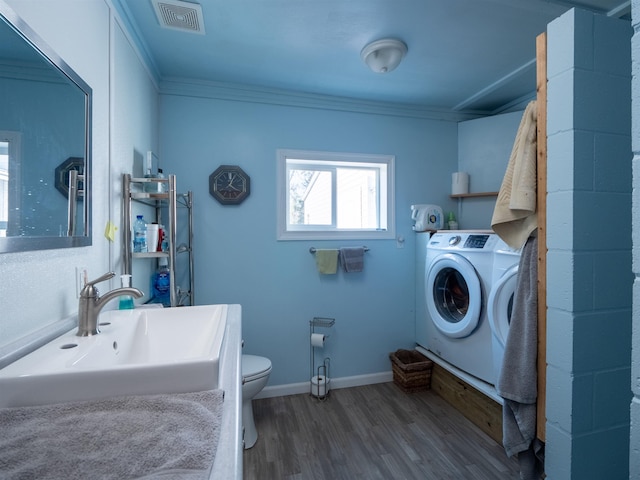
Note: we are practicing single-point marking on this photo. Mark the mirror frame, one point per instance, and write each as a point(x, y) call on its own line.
point(24, 243)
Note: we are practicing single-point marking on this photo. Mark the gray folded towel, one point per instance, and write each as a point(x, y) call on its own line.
point(517, 382)
point(170, 436)
point(352, 259)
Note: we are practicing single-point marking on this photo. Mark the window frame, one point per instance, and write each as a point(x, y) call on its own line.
point(332, 160)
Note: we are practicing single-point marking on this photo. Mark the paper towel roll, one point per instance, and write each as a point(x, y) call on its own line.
point(317, 340)
point(459, 183)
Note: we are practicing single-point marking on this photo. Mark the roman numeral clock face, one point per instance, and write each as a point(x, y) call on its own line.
point(229, 185)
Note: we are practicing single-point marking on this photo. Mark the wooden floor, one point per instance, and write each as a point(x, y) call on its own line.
point(370, 432)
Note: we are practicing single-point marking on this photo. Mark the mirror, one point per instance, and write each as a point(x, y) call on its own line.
point(45, 132)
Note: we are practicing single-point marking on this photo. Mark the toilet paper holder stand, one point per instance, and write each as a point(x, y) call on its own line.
point(319, 389)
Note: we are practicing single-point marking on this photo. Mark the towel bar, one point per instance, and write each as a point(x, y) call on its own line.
point(313, 249)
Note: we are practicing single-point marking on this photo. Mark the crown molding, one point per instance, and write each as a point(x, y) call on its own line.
point(271, 96)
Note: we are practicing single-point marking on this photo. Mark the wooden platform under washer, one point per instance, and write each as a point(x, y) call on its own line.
point(483, 411)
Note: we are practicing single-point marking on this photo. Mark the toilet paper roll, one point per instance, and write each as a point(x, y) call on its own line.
point(459, 183)
point(320, 385)
point(317, 340)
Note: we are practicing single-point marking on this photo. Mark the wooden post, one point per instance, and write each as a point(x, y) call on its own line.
point(541, 88)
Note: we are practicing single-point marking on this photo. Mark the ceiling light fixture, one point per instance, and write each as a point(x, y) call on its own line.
point(384, 55)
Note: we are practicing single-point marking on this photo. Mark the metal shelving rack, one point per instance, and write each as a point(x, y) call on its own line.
point(169, 200)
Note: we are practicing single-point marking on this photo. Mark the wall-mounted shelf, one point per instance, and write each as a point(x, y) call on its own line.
point(477, 194)
point(149, 254)
point(322, 322)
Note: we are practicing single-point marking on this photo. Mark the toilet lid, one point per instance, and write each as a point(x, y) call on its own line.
point(254, 367)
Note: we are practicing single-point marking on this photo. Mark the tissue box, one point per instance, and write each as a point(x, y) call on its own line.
point(411, 370)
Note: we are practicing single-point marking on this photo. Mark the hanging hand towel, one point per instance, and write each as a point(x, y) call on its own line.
point(514, 216)
point(327, 261)
point(517, 382)
point(352, 259)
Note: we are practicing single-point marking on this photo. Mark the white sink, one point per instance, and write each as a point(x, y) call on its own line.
point(138, 352)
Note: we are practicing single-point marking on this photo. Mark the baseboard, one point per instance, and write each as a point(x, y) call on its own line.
point(335, 383)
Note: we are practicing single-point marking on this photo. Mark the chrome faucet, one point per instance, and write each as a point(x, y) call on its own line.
point(91, 303)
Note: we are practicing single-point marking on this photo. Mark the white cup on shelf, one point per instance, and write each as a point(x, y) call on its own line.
point(459, 183)
point(152, 237)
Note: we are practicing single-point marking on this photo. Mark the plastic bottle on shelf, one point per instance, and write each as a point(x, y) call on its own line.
point(453, 225)
point(162, 186)
point(160, 237)
point(164, 243)
point(140, 235)
point(161, 284)
point(149, 187)
point(126, 301)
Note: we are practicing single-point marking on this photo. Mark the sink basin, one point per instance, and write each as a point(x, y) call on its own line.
point(138, 352)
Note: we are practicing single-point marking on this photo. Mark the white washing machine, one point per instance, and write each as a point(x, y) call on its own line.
point(458, 276)
point(505, 278)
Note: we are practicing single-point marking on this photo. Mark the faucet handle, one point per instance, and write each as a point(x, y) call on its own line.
point(104, 277)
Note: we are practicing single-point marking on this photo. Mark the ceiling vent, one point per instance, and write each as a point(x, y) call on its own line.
point(184, 16)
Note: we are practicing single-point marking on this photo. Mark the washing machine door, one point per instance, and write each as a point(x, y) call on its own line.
point(454, 295)
point(501, 304)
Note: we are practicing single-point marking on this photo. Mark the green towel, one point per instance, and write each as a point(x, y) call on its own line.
point(327, 261)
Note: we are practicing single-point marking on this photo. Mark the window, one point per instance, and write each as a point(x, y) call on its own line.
point(4, 187)
point(9, 183)
point(324, 195)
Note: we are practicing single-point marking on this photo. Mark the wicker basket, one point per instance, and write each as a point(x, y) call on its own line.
point(411, 370)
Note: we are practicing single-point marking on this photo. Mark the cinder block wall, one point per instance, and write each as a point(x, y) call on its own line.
point(634, 464)
point(589, 277)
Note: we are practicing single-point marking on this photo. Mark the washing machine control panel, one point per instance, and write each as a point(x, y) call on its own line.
point(476, 241)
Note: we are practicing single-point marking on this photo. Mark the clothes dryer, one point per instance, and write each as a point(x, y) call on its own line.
point(505, 278)
point(458, 276)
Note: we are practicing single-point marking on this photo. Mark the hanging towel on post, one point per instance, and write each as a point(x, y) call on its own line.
point(514, 216)
point(517, 382)
point(327, 261)
point(352, 259)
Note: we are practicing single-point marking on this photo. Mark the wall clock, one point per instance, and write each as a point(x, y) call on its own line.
point(229, 184)
point(62, 175)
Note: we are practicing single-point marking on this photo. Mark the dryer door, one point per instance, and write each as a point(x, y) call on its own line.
point(454, 295)
point(501, 304)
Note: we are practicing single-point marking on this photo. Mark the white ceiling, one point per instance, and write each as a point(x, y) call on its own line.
point(464, 55)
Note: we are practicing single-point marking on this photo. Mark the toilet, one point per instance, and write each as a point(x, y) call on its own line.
point(255, 374)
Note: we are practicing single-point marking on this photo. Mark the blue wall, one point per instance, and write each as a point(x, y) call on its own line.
point(484, 147)
point(239, 260)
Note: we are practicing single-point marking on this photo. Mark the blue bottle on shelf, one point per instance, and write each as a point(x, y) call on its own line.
point(140, 235)
point(161, 284)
